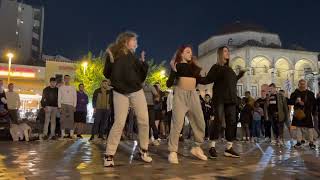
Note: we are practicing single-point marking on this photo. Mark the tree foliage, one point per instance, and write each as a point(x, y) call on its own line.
point(92, 74)
point(157, 74)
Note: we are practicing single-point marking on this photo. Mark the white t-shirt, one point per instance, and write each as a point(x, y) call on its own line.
point(67, 95)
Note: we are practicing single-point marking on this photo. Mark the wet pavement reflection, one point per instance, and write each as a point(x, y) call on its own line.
point(80, 159)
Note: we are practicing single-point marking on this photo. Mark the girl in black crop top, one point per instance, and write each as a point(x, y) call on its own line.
point(183, 70)
point(185, 103)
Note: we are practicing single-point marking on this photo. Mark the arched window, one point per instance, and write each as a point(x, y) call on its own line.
point(230, 41)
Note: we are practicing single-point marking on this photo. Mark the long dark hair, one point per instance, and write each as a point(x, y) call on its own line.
point(220, 56)
point(195, 68)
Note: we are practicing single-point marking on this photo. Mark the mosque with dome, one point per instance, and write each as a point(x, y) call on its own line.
point(260, 53)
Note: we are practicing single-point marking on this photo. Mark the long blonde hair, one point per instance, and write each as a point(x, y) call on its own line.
point(119, 47)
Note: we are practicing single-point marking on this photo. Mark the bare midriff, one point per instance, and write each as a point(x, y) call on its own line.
point(187, 83)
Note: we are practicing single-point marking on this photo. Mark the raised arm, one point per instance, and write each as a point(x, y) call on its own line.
point(171, 78)
point(108, 64)
point(241, 74)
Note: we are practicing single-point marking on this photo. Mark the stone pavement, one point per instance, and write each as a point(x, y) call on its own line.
point(80, 159)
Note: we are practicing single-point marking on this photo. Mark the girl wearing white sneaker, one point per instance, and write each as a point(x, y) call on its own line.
point(127, 73)
point(185, 102)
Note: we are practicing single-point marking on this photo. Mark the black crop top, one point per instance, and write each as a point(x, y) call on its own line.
point(183, 70)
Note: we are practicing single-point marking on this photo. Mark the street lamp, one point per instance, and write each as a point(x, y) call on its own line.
point(162, 73)
point(10, 56)
point(85, 65)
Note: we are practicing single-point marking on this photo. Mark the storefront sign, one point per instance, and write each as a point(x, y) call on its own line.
point(18, 72)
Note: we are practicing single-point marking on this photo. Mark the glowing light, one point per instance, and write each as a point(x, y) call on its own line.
point(85, 65)
point(162, 73)
point(18, 74)
point(10, 55)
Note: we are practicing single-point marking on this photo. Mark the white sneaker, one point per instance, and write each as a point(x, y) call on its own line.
point(197, 151)
point(108, 161)
point(173, 158)
point(156, 142)
point(145, 156)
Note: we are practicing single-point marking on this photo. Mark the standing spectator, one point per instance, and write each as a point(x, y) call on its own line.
point(169, 109)
point(318, 112)
point(49, 102)
point(287, 120)
point(3, 98)
point(151, 95)
point(277, 113)
point(246, 119)
point(304, 108)
point(207, 109)
point(251, 101)
point(101, 103)
point(13, 103)
point(267, 121)
point(80, 116)
point(158, 105)
point(256, 123)
point(163, 123)
point(67, 102)
point(263, 104)
point(238, 110)
point(58, 124)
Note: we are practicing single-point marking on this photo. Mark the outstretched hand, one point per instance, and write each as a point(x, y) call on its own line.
point(143, 56)
point(173, 62)
point(110, 55)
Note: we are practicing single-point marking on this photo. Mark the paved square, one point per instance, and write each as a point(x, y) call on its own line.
point(80, 159)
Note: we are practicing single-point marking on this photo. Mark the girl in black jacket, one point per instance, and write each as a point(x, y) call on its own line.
point(225, 99)
point(127, 73)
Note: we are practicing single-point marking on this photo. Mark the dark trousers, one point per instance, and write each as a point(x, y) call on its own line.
point(207, 121)
point(13, 113)
point(256, 127)
point(101, 122)
point(152, 123)
point(262, 126)
point(228, 113)
point(267, 129)
point(277, 127)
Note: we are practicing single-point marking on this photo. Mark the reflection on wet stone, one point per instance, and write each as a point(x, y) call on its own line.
point(83, 160)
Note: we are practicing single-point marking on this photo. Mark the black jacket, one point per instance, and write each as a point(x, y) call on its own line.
point(3, 95)
point(309, 107)
point(126, 73)
point(95, 97)
point(49, 97)
point(225, 84)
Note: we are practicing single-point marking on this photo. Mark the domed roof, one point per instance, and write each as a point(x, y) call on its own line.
point(240, 27)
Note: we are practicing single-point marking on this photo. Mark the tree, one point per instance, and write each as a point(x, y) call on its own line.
point(157, 74)
point(89, 71)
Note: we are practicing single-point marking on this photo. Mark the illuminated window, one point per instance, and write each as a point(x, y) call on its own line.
point(254, 91)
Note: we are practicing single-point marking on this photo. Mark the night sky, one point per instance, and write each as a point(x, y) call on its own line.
point(163, 25)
